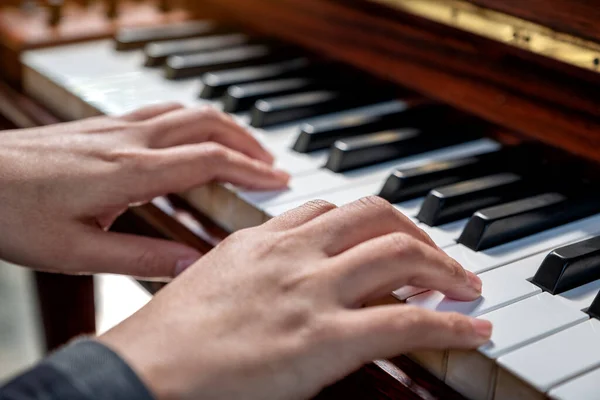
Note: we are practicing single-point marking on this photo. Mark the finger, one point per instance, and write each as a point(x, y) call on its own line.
point(205, 124)
point(387, 331)
point(379, 266)
point(359, 221)
point(153, 111)
point(300, 215)
point(117, 253)
point(178, 169)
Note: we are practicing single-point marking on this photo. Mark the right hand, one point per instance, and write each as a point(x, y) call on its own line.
point(276, 311)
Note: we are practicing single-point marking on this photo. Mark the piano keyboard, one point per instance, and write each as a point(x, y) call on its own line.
point(500, 211)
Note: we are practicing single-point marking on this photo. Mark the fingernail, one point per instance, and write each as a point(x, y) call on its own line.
point(268, 158)
point(474, 281)
point(184, 264)
point(483, 328)
point(282, 174)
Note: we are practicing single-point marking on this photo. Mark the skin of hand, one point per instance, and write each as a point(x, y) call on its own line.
point(276, 311)
point(62, 186)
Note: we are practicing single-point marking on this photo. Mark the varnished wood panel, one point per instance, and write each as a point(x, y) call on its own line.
point(539, 98)
point(576, 17)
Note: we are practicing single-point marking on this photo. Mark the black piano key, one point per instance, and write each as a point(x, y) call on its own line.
point(197, 64)
point(158, 52)
point(374, 148)
point(215, 84)
point(407, 184)
point(569, 267)
point(242, 97)
point(594, 310)
point(507, 222)
point(460, 200)
point(322, 134)
point(284, 109)
point(136, 38)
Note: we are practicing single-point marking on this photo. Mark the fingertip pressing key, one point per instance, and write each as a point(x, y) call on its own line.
point(475, 281)
point(482, 328)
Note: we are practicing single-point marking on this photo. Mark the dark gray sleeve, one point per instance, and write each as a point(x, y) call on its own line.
point(85, 370)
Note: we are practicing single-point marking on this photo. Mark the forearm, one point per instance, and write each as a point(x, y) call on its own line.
point(82, 370)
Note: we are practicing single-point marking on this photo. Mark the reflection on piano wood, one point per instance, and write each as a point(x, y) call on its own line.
point(524, 217)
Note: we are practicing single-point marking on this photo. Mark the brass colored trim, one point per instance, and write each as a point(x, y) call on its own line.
point(506, 29)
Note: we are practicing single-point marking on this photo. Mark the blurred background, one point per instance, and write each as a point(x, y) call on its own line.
point(21, 335)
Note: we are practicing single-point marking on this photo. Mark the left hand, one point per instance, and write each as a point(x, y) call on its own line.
point(62, 186)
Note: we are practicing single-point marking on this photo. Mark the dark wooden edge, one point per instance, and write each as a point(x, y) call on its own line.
point(533, 96)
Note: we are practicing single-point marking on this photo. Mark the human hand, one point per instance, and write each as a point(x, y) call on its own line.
point(61, 186)
point(275, 312)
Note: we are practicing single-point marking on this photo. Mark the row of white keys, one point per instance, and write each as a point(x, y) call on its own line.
point(311, 186)
point(123, 85)
point(584, 387)
point(558, 358)
point(505, 276)
point(563, 355)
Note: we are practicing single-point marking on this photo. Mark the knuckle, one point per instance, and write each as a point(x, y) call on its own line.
point(136, 159)
point(412, 316)
point(376, 203)
point(454, 270)
point(216, 152)
point(321, 206)
point(210, 113)
point(459, 324)
point(403, 245)
point(150, 262)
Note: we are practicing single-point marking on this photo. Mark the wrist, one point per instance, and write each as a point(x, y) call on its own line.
point(145, 361)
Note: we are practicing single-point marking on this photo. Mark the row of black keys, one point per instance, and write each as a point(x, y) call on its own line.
point(507, 194)
point(275, 82)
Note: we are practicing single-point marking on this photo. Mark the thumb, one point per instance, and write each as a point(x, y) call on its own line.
point(117, 253)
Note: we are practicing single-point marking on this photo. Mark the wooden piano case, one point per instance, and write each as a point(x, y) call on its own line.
point(505, 83)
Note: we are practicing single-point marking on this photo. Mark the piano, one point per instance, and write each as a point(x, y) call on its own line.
point(478, 119)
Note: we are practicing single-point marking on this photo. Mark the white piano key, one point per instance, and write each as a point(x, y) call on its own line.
point(557, 358)
point(585, 387)
point(500, 287)
point(297, 164)
point(486, 260)
point(443, 235)
point(527, 321)
point(311, 186)
point(580, 298)
point(407, 292)
point(95, 59)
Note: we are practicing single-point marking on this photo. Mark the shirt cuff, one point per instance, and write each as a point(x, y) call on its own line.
point(97, 372)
